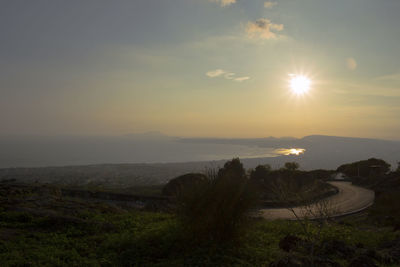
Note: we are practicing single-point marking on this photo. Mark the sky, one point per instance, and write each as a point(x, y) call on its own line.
point(216, 68)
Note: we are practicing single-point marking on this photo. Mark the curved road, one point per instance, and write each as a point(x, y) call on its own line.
point(350, 199)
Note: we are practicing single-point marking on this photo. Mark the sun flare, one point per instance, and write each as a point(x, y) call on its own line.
point(299, 84)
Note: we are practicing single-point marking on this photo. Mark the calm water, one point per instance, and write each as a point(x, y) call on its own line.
point(55, 152)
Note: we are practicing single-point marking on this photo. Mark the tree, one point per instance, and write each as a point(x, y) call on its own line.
point(233, 168)
point(260, 172)
point(291, 166)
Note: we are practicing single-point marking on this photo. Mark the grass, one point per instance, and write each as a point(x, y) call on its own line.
point(150, 239)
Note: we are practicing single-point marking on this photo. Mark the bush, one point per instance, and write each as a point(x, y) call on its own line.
point(385, 209)
point(364, 168)
point(181, 183)
point(260, 172)
point(291, 166)
point(218, 208)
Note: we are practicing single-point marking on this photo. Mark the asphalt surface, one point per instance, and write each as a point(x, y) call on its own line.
point(350, 199)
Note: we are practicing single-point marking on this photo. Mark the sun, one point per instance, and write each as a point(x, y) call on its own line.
point(299, 84)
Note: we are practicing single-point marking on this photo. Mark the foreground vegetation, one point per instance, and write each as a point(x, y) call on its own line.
point(40, 227)
point(134, 238)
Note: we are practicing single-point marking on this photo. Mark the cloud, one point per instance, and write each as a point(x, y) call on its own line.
point(351, 63)
point(270, 4)
point(241, 79)
point(215, 73)
point(263, 28)
point(224, 3)
point(226, 75)
point(229, 75)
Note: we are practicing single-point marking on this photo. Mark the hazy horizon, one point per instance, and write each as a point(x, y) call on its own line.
point(162, 134)
point(312, 152)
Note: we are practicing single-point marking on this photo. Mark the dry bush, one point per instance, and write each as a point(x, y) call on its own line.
point(217, 209)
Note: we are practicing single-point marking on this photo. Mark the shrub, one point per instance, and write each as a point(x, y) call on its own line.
point(292, 166)
point(181, 183)
point(365, 168)
point(218, 208)
point(260, 172)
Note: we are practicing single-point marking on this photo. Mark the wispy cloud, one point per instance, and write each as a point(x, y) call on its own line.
point(215, 73)
point(390, 77)
point(351, 63)
point(263, 29)
point(224, 3)
point(226, 75)
point(229, 75)
point(241, 79)
point(270, 4)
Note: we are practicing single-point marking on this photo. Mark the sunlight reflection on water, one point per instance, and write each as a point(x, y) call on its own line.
point(240, 151)
point(290, 151)
point(252, 152)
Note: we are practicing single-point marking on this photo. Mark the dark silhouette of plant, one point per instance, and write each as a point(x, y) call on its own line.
point(234, 168)
point(176, 186)
point(365, 168)
point(264, 180)
point(218, 208)
point(292, 166)
point(260, 172)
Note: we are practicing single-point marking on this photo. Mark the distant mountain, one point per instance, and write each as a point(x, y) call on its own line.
point(149, 135)
point(262, 142)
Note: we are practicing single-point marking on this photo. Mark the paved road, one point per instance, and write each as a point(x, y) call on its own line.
point(350, 199)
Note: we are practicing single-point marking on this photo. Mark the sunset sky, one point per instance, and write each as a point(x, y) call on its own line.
point(216, 68)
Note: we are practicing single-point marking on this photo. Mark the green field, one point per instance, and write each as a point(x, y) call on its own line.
point(107, 237)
